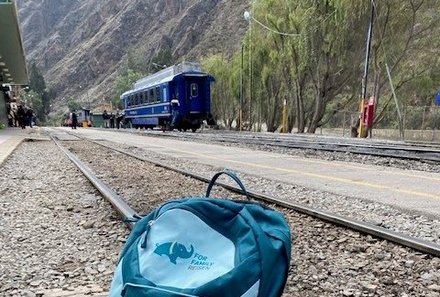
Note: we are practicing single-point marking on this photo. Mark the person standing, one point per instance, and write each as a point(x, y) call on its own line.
point(112, 120)
point(21, 115)
point(74, 119)
point(15, 117)
point(118, 119)
point(29, 117)
point(105, 117)
point(11, 118)
point(175, 113)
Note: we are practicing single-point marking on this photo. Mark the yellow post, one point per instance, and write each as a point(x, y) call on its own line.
point(361, 122)
point(241, 119)
point(285, 117)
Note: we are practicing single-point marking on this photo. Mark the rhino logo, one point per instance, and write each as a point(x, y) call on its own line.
point(174, 250)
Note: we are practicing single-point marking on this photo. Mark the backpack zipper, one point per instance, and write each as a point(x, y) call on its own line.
point(144, 242)
point(124, 291)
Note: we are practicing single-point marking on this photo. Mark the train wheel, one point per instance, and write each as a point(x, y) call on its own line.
point(194, 130)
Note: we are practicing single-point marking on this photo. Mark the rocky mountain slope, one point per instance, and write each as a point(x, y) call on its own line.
point(81, 46)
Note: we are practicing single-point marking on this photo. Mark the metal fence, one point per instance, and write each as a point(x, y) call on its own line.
point(421, 123)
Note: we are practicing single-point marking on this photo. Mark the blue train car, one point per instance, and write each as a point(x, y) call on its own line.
point(178, 97)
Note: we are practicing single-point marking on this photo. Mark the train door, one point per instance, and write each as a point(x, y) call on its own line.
point(194, 95)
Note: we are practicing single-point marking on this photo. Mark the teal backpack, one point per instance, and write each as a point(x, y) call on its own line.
point(205, 247)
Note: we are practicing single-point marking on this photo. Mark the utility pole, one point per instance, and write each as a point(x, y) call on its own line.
point(366, 68)
point(241, 89)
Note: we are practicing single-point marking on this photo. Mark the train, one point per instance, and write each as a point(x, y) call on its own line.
point(177, 97)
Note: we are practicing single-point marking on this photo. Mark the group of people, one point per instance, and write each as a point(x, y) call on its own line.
point(20, 117)
point(110, 119)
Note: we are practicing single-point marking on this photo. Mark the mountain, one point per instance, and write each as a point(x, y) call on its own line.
point(82, 46)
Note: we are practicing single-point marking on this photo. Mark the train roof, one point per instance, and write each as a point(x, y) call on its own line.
point(166, 75)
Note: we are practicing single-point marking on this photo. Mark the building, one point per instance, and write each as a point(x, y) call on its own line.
point(13, 72)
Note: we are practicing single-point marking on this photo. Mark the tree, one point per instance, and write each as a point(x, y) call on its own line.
point(317, 56)
point(163, 59)
point(403, 40)
point(311, 54)
point(123, 83)
point(36, 79)
point(223, 105)
point(41, 96)
point(73, 105)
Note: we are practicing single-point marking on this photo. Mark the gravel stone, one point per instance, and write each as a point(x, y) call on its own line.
point(43, 246)
point(46, 203)
point(326, 260)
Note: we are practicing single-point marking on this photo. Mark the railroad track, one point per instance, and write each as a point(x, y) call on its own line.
point(417, 152)
point(366, 228)
point(326, 257)
point(322, 246)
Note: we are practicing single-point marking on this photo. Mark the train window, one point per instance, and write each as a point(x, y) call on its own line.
point(194, 90)
point(144, 97)
point(151, 96)
point(164, 98)
point(157, 94)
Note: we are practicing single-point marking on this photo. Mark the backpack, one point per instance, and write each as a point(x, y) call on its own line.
point(201, 246)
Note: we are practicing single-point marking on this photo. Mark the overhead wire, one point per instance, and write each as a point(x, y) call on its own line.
point(284, 33)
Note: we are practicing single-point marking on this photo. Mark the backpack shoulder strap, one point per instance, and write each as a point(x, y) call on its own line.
point(231, 175)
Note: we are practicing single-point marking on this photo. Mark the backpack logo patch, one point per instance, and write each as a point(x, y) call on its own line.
point(174, 250)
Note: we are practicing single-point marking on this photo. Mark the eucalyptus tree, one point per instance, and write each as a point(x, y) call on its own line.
point(318, 44)
point(331, 50)
point(223, 105)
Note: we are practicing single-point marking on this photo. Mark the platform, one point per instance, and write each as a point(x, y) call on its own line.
point(10, 138)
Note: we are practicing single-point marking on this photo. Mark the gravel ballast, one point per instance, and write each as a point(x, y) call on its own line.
point(57, 232)
point(326, 260)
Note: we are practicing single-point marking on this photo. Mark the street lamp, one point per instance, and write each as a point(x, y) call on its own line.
point(248, 17)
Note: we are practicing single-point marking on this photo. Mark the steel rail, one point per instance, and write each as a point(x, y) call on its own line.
point(398, 151)
point(128, 214)
point(390, 151)
point(363, 227)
